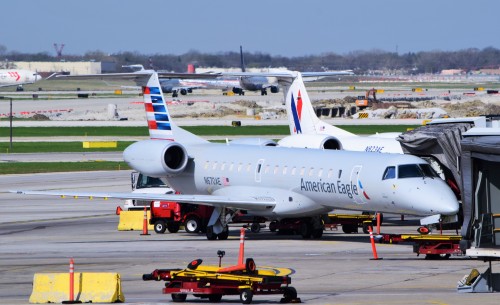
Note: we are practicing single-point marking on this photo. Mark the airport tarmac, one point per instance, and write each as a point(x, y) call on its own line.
point(40, 234)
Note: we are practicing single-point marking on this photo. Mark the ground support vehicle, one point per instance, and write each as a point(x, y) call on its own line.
point(172, 215)
point(350, 222)
point(212, 282)
point(433, 246)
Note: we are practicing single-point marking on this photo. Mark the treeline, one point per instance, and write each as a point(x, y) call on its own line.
point(359, 61)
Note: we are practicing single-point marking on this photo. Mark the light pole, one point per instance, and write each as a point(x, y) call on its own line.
point(10, 119)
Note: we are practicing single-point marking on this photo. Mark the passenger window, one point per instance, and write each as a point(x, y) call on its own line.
point(223, 166)
point(214, 166)
point(294, 170)
point(267, 170)
point(285, 168)
point(207, 164)
point(390, 173)
point(276, 169)
point(302, 171)
point(330, 173)
point(231, 167)
point(311, 172)
point(320, 172)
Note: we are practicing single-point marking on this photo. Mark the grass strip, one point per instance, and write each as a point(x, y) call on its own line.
point(46, 147)
point(46, 167)
point(198, 130)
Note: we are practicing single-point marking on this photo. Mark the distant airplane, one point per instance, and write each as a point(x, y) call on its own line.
point(274, 182)
point(18, 77)
point(255, 83)
point(308, 131)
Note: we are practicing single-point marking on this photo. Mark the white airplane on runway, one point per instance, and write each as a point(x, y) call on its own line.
point(274, 182)
point(308, 131)
point(17, 77)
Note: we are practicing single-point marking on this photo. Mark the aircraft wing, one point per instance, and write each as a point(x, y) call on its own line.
point(243, 202)
point(139, 75)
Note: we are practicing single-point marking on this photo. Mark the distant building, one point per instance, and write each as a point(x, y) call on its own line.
point(490, 71)
point(453, 72)
point(71, 67)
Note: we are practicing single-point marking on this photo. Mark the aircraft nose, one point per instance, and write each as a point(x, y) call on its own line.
point(446, 202)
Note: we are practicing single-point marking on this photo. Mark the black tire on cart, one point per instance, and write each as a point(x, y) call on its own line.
point(365, 228)
point(192, 224)
point(160, 227)
point(215, 298)
point(173, 227)
point(210, 233)
point(250, 266)
point(348, 228)
point(179, 297)
point(255, 227)
point(289, 294)
point(246, 296)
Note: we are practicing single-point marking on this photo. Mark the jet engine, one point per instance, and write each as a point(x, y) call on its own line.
point(184, 91)
point(317, 141)
point(275, 89)
point(157, 158)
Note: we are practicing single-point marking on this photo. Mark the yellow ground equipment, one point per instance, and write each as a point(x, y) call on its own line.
point(212, 282)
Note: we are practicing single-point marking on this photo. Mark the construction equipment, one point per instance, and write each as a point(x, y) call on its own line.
point(212, 282)
point(367, 100)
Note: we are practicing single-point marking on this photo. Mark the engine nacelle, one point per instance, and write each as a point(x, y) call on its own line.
point(237, 90)
point(183, 91)
point(317, 141)
point(275, 89)
point(157, 158)
point(253, 141)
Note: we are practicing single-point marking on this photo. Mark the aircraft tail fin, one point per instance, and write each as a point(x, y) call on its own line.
point(302, 118)
point(158, 117)
point(242, 60)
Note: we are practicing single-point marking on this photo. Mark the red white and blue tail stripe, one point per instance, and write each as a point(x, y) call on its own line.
point(157, 115)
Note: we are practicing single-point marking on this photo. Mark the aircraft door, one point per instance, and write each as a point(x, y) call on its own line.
point(258, 170)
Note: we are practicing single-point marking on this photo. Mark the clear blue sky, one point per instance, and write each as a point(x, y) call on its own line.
point(276, 27)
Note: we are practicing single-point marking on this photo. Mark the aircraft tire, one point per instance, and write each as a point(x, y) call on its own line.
point(317, 233)
point(305, 229)
point(210, 233)
point(273, 226)
point(160, 227)
point(246, 296)
point(224, 234)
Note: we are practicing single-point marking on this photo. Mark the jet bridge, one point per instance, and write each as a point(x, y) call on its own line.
point(480, 172)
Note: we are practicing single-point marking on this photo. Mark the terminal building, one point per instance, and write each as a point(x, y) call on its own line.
point(46, 68)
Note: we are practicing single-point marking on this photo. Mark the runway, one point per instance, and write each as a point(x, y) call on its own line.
point(40, 234)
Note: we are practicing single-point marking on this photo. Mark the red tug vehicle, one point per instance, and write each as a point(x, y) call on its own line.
point(171, 215)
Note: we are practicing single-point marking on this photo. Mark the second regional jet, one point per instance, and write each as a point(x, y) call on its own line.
point(274, 182)
point(308, 131)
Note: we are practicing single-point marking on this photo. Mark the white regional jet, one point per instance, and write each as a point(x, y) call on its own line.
point(16, 77)
point(275, 182)
point(308, 131)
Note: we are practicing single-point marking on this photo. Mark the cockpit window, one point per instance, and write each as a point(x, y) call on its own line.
point(390, 173)
point(416, 171)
